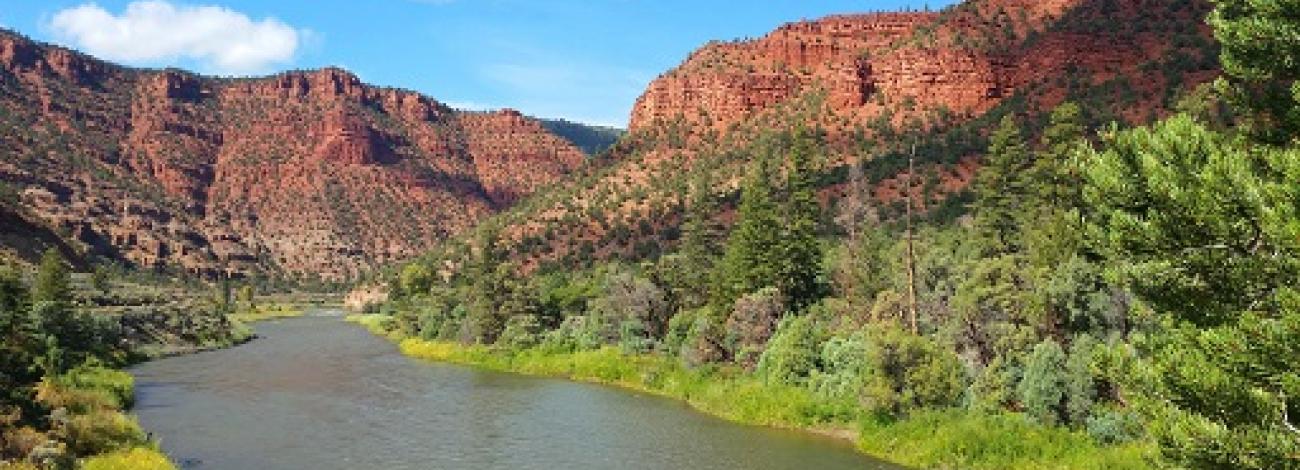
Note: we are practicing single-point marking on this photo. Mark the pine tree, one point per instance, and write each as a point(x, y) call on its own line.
point(1000, 188)
point(52, 281)
point(1055, 176)
point(799, 278)
point(751, 259)
point(1261, 64)
point(700, 240)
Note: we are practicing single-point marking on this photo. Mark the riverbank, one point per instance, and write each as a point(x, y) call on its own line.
point(932, 439)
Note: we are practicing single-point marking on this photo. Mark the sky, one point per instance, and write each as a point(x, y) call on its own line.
point(581, 60)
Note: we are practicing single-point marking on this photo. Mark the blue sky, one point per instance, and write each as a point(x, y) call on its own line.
point(583, 60)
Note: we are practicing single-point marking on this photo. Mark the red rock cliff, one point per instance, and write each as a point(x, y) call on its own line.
point(309, 173)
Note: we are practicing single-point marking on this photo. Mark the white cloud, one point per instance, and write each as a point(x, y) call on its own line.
point(219, 39)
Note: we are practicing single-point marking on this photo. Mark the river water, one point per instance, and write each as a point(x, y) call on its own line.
point(319, 393)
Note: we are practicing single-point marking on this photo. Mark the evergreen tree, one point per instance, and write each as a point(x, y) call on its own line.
point(1000, 188)
point(1054, 175)
point(700, 240)
point(1261, 63)
point(751, 259)
point(1203, 229)
point(800, 272)
point(52, 279)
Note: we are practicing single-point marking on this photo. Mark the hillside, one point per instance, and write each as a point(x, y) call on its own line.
point(303, 174)
point(871, 85)
point(591, 139)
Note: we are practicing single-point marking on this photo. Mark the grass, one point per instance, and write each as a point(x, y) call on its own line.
point(721, 391)
point(138, 458)
point(266, 312)
point(968, 440)
point(946, 439)
point(95, 424)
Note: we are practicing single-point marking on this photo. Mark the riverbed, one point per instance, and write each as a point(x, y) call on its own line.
point(319, 393)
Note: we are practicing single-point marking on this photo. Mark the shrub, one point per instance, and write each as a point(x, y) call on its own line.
point(1042, 389)
point(792, 354)
point(101, 431)
point(521, 332)
point(1113, 426)
point(1080, 388)
point(679, 327)
point(844, 368)
point(911, 372)
point(751, 324)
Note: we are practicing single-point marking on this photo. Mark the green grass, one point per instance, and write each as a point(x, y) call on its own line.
point(968, 440)
point(139, 458)
point(946, 439)
point(724, 392)
point(266, 312)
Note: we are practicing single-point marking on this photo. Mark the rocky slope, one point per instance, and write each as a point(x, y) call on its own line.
point(306, 173)
point(872, 84)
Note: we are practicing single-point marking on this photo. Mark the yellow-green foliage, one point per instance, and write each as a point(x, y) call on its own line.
point(117, 385)
point(92, 398)
point(376, 323)
point(927, 439)
point(970, 440)
point(139, 458)
point(86, 389)
point(724, 392)
point(102, 431)
point(266, 312)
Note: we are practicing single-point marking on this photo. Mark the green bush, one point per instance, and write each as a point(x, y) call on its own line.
point(791, 355)
point(843, 370)
point(911, 372)
point(1042, 389)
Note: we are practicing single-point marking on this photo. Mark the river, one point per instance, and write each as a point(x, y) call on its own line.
point(319, 393)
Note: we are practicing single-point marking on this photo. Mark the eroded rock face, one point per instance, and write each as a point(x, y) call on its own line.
point(965, 61)
point(309, 173)
point(868, 81)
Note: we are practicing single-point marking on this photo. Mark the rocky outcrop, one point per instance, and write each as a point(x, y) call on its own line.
point(965, 61)
point(306, 173)
point(872, 83)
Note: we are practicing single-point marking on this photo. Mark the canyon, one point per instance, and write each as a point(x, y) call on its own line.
point(305, 174)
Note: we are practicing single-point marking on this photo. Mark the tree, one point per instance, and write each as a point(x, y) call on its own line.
point(751, 324)
point(1261, 63)
point(1203, 229)
point(751, 259)
point(701, 236)
point(52, 279)
point(1054, 177)
point(1000, 188)
point(415, 278)
point(800, 271)
point(1203, 223)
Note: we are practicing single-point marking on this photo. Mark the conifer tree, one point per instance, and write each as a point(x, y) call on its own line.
point(1261, 64)
point(700, 239)
point(800, 254)
point(751, 259)
point(52, 283)
point(1000, 188)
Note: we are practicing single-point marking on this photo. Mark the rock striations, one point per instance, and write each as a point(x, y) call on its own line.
point(309, 173)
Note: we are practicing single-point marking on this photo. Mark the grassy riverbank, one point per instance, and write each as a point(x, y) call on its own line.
point(930, 439)
point(264, 312)
point(94, 423)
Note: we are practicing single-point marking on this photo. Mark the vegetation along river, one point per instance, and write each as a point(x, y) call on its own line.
point(319, 393)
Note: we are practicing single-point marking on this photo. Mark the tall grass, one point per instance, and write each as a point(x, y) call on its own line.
point(720, 391)
point(930, 439)
point(139, 458)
